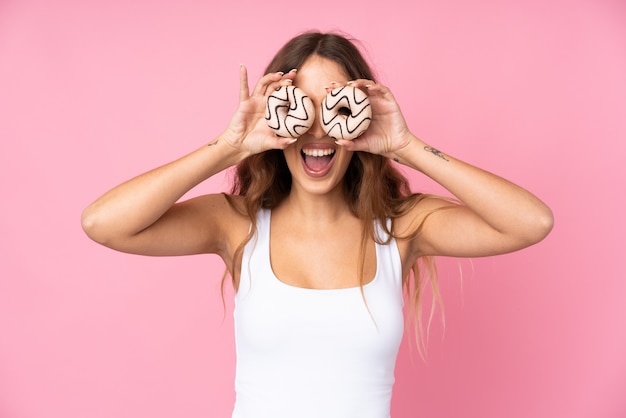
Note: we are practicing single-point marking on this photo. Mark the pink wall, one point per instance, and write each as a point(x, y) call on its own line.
point(92, 93)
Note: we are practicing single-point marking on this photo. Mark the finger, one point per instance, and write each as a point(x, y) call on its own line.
point(291, 75)
point(244, 90)
point(267, 82)
point(379, 90)
point(286, 80)
point(361, 83)
point(369, 87)
point(351, 145)
point(285, 142)
point(335, 85)
point(280, 142)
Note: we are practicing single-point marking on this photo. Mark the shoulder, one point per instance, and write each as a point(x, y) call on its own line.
point(220, 216)
point(230, 210)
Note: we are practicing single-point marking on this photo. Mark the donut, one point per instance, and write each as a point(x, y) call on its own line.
point(346, 113)
point(289, 112)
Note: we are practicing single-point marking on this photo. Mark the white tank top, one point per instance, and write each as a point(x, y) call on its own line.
point(308, 353)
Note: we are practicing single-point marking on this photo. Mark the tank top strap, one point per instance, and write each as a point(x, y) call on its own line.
point(263, 223)
point(256, 262)
point(315, 352)
point(387, 255)
point(256, 254)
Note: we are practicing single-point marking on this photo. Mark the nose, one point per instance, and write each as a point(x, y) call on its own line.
point(316, 129)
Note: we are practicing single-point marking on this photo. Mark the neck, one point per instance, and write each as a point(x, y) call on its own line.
point(316, 209)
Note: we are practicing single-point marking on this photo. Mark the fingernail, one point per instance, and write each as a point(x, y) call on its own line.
point(293, 70)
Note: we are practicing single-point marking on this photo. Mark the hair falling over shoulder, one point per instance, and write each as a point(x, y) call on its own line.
point(373, 188)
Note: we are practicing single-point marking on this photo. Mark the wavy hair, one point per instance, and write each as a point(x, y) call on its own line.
point(373, 188)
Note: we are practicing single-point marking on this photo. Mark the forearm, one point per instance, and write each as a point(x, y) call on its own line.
point(136, 204)
point(504, 206)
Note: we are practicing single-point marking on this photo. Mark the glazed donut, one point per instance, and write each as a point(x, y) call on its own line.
point(346, 113)
point(289, 112)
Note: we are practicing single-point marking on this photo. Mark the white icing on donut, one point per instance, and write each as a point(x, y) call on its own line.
point(346, 113)
point(289, 112)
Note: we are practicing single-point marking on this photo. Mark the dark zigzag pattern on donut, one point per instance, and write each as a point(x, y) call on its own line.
point(341, 98)
point(286, 112)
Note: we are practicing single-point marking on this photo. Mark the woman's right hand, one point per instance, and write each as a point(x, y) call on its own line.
point(248, 131)
point(144, 216)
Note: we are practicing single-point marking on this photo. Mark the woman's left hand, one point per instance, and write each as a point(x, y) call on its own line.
point(388, 132)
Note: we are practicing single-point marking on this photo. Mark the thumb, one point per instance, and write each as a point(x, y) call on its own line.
point(352, 145)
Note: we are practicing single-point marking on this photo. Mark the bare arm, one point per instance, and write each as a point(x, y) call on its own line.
point(495, 216)
point(142, 215)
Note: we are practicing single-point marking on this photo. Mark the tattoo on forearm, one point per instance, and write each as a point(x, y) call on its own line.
point(436, 152)
point(213, 143)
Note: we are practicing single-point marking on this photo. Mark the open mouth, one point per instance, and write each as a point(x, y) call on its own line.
point(317, 161)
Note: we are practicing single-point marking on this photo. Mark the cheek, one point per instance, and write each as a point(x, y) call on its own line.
point(346, 157)
point(343, 161)
point(292, 157)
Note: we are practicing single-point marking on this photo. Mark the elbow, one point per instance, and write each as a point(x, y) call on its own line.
point(529, 229)
point(88, 222)
point(102, 228)
point(92, 226)
point(545, 223)
point(539, 227)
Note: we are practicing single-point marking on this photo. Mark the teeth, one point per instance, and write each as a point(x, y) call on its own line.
point(318, 152)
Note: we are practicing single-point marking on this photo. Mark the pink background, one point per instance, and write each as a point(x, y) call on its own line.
point(92, 93)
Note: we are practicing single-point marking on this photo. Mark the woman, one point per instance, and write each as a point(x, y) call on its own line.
point(319, 235)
